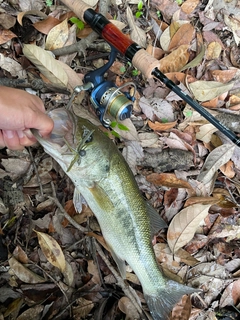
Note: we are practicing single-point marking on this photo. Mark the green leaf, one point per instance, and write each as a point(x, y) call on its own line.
point(164, 120)
point(49, 3)
point(188, 113)
point(114, 133)
point(135, 72)
point(113, 124)
point(122, 127)
point(122, 69)
point(78, 22)
point(140, 5)
point(138, 14)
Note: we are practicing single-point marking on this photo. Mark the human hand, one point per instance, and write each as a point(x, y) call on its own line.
point(19, 112)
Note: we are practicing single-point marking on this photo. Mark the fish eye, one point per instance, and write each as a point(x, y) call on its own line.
point(82, 153)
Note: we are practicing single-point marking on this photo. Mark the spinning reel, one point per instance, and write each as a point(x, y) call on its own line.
point(107, 99)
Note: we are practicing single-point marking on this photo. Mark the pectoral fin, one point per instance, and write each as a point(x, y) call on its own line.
point(77, 200)
point(156, 222)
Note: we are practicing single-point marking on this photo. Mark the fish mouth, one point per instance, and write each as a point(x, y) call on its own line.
point(62, 133)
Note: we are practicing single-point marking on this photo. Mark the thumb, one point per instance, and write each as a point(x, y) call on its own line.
point(43, 123)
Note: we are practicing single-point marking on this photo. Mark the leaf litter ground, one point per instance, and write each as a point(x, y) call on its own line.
point(53, 269)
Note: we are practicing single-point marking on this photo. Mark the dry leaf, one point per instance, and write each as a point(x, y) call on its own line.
point(164, 254)
point(52, 250)
point(184, 225)
point(159, 126)
point(58, 36)
point(228, 169)
point(148, 139)
point(137, 34)
point(32, 313)
point(182, 309)
point(196, 61)
point(156, 108)
point(82, 308)
point(214, 161)
point(46, 64)
point(6, 35)
point(224, 76)
point(168, 180)
point(231, 294)
point(205, 132)
point(23, 273)
point(234, 24)
point(176, 60)
point(207, 90)
point(189, 6)
point(46, 25)
point(13, 67)
point(30, 12)
point(201, 200)
point(165, 39)
point(183, 36)
point(213, 50)
point(126, 306)
point(93, 270)
point(68, 275)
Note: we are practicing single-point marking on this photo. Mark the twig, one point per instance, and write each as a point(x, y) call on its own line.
point(66, 215)
point(36, 172)
point(82, 45)
point(120, 280)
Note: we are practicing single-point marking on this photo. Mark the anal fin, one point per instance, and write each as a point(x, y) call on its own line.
point(120, 263)
point(156, 222)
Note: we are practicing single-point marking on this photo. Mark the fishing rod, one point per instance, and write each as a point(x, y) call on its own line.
point(140, 59)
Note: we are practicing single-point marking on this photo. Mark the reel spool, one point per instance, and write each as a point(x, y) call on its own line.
point(107, 99)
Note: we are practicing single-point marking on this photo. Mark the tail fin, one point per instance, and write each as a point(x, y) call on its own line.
point(162, 303)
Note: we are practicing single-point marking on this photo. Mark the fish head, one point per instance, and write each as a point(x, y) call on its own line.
point(80, 148)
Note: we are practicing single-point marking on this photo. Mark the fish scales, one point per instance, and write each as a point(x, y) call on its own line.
point(100, 173)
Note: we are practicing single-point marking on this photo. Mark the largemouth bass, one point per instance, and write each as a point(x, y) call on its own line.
point(101, 174)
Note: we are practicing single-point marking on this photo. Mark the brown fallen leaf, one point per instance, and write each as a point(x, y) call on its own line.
point(168, 180)
point(46, 25)
point(223, 76)
point(176, 60)
point(211, 103)
point(182, 309)
point(189, 6)
point(213, 50)
point(30, 12)
point(82, 308)
point(207, 90)
point(6, 35)
point(214, 161)
point(231, 294)
point(227, 169)
point(184, 225)
point(183, 36)
point(201, 200)
point(57, 36)
point(23, 273)
point(159, 126)
point(127, 307)
point(51, 250)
